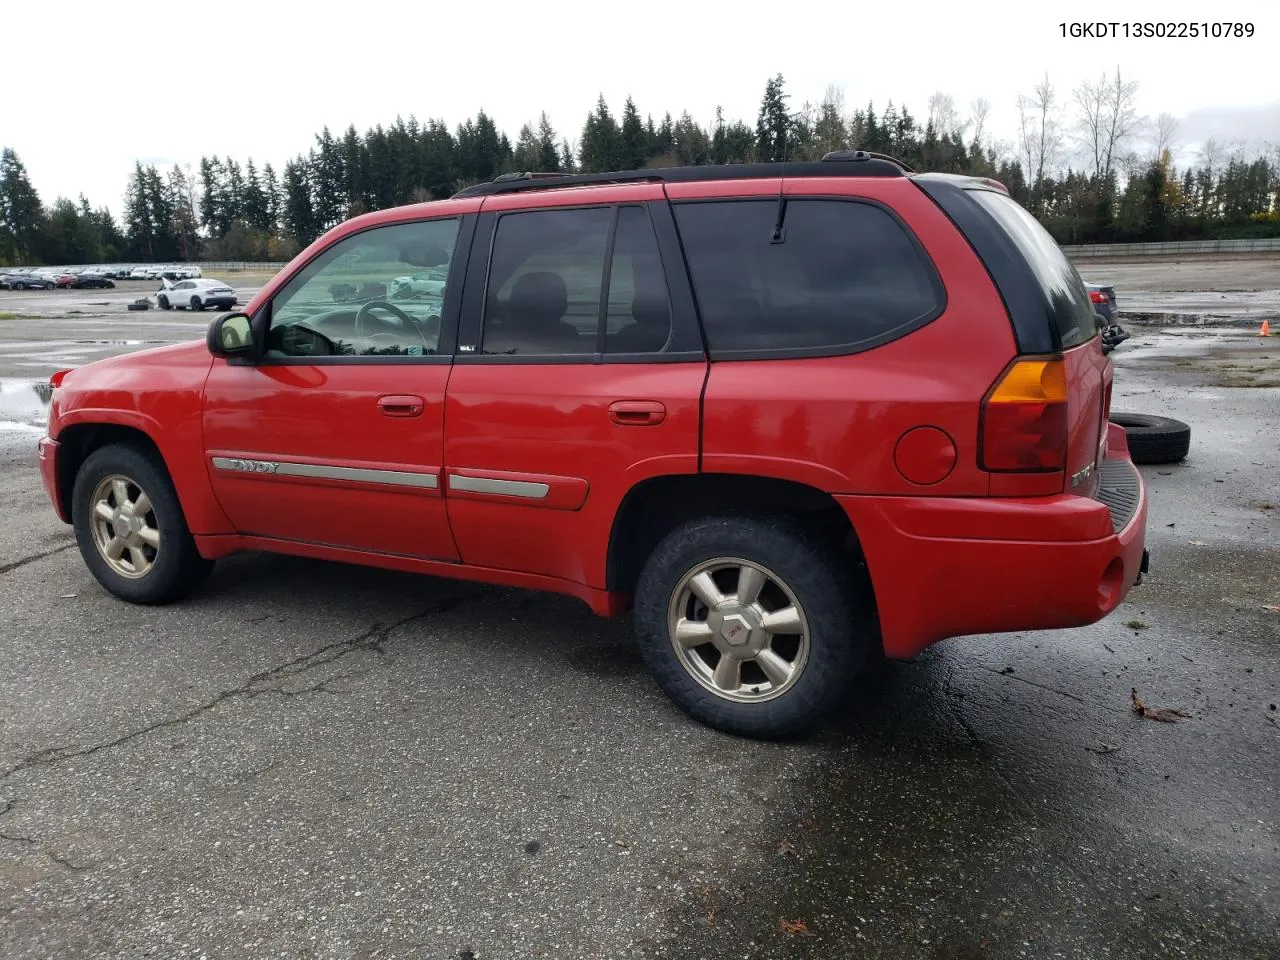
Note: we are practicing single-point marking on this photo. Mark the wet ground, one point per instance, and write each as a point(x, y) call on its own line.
point(1206, 291)
point(308, 760)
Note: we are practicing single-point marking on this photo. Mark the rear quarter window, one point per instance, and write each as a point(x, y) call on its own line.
point(1070, 312)
point(843, 276)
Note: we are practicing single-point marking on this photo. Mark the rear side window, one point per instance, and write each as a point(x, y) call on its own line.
point(839, 276)
point(1070, 311)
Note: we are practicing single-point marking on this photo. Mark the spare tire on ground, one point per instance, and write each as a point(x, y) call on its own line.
point(1154, 439)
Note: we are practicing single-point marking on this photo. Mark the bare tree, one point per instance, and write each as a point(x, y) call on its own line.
point(981, 109)
point(944, 116)
point(1164, 134)
point(1039, 130)
point(1107, 118)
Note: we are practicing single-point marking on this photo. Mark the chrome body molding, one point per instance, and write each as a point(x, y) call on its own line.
point(528, 489)
point(283, 468)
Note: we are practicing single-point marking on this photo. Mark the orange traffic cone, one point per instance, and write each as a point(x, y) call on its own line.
point(1266, 329)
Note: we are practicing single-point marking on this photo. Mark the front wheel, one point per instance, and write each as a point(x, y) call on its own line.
point(163, 302)
point(750, 626)
point(130, 528)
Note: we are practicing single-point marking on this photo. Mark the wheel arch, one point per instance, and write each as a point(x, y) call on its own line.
point(652, 508)
point(79, 439)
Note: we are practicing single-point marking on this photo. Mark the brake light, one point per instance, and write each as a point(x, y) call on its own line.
point(996, 184)
point(55, 381)
point(1024, 419)
point(1097, 296)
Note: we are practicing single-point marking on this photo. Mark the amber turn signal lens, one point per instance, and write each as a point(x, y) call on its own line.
point(1032, 381)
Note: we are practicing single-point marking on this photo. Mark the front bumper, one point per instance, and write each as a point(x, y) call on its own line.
point(48, 451)
point(949, 567)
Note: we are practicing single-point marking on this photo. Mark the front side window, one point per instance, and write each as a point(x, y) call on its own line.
point(838, 275)
point(550, 294)
point(374, 294)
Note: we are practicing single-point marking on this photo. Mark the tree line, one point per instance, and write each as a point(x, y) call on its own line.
point(1088, 166)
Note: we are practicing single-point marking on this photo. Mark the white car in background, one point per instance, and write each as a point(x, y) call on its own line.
point(426, 285)
point(196, 294)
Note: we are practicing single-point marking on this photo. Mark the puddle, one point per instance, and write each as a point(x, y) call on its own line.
point(24, 410)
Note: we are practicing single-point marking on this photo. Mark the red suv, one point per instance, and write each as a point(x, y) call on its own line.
point(796, 417)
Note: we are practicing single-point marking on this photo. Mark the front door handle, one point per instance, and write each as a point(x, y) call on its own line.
point(401, 406)
point(637, 413)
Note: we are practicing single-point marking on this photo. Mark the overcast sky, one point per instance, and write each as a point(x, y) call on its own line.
point(94, 87)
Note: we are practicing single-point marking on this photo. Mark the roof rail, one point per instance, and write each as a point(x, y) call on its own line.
point(843, 163)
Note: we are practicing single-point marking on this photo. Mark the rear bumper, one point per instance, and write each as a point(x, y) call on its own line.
point(948, 567)
point(48, 451)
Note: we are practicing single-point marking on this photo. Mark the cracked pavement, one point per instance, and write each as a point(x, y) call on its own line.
point(307, 760)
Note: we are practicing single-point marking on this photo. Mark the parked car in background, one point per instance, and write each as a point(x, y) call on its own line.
point(196, 295)
point(30, 281)
point(91, 281)
point(1103, 298)
point(795, 425)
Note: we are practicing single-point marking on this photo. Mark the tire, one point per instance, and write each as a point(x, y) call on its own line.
point(167, 570)
point(196, 304)
point(829, 648)
point(163, 303)
point(48, 286)
point(1154, 439)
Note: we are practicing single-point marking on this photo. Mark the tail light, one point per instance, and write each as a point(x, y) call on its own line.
point(1097, 296)
point(55, 381)
point(1024, 419)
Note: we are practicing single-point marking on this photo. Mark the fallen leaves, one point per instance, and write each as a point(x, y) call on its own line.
point(1162, 714)
point(1136, 625)
point(786, 847)
point(795, 928)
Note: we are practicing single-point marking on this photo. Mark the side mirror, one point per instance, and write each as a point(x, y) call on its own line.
point(231, 335)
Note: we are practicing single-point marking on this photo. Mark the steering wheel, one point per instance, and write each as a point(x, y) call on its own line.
point(372, 305)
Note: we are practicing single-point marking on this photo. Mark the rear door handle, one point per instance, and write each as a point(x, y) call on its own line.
point(401, 406)
point(637, 413)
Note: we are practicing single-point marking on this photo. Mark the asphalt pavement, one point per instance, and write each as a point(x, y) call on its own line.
point(310, 760)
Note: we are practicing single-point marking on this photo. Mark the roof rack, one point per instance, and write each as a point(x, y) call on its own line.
point(839, 163)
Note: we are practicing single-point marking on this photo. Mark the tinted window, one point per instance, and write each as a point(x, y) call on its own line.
point(546, 293)
point(376, 293)
point(1069, 308)
point(639, 314)
point(844, 274)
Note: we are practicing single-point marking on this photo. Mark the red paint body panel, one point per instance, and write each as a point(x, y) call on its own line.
point(157, 392)
point(1019, 573)
point(833, 422)
point(48, 451)
point(532, 420)
point(330, 414)
point(563, 493)
point(601, 602)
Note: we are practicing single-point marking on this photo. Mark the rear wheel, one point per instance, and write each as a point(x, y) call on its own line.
point(48, 286)
point(196, 304)
point(130, 528)
point(749, 625)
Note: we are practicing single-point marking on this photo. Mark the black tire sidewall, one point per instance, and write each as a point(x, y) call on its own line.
point(822, 585)
point(178, 565)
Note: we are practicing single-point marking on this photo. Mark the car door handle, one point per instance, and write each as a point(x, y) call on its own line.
point(402, 406)
point(637, 413)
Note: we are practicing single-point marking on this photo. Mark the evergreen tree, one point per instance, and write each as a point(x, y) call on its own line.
point(548, 156)
point(21, 215)
point(773, 124)
point(633, 148)
point(299, 219)
point(255, 211)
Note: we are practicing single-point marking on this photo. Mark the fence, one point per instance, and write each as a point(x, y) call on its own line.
point(1268, 245)
point(237, 266)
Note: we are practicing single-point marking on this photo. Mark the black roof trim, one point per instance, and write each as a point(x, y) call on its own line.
point(844, 163)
